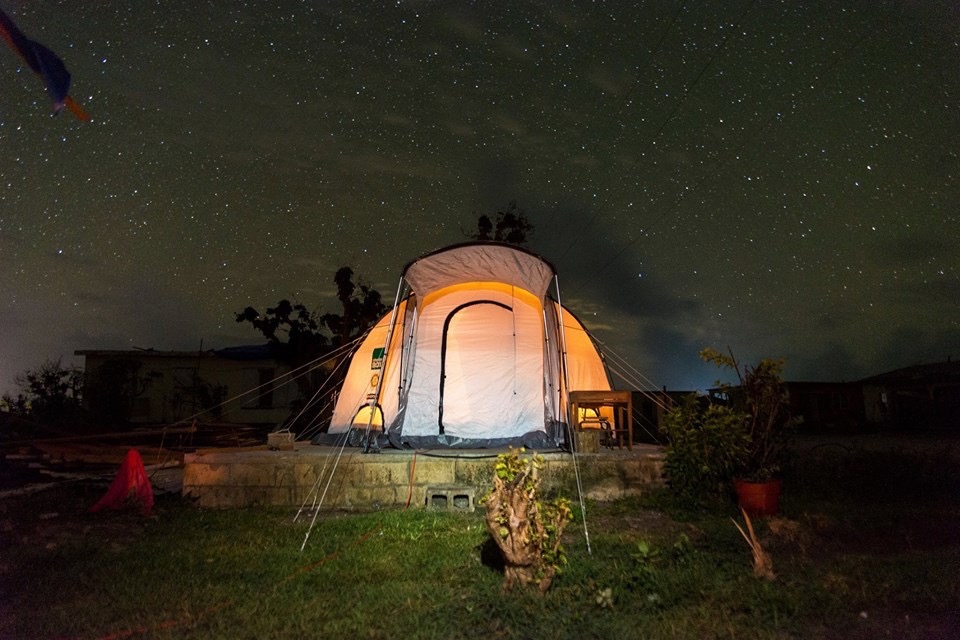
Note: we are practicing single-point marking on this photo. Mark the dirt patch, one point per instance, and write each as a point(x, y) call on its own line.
point(932, 532)
point(638, 524)
point(832, 535)
point(60, 515)
point(870, 625)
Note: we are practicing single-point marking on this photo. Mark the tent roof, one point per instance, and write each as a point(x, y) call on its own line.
point(482, 261)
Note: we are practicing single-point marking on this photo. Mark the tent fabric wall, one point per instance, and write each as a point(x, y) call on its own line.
point(369, 370)
point(585, 369)
point(478, 369)
point(476, 357)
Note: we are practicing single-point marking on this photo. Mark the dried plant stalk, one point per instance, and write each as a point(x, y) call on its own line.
point(762, 562)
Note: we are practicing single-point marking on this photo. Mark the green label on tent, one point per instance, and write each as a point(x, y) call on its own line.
point(377, 361)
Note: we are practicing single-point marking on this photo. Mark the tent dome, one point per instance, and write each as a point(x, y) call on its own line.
point(477, 355)
point(478, 262)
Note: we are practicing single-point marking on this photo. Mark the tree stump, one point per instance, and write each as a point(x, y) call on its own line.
point(526, 531)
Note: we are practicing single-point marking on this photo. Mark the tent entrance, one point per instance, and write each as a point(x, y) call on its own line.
point(477, 364)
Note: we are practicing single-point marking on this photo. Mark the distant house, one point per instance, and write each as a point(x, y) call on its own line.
point(649, 410)
point(239, 385)
point(827, 405)
point(921, 396)
point(925, 396)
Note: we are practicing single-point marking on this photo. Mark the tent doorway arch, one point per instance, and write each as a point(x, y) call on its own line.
point(462, 351)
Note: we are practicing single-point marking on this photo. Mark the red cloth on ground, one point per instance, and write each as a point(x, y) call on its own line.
point(130, 486)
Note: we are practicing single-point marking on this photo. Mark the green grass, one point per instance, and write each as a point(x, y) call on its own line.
point(671, 572)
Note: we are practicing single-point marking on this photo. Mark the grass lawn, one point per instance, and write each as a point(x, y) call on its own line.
point(868, 546)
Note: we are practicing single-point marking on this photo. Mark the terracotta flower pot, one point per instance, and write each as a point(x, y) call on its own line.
point(759, 498)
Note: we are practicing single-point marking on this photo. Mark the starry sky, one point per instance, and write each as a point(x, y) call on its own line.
point(779, 178)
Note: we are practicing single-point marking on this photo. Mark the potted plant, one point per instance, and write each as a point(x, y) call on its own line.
point(761, 398)
point(706, 443)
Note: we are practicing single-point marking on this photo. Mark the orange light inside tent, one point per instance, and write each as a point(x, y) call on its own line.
point(517, 293)
point(362, 419)
point(590, 417)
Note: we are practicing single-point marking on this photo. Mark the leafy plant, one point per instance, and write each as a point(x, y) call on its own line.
point(526, 529)
point(49, 394)
point(761, 397)
point(644, 557)
point(654, 569)
point(645, 552)
point(706, 446)
point(682, 550)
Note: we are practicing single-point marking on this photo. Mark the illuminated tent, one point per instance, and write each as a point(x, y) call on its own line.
point(476, 354)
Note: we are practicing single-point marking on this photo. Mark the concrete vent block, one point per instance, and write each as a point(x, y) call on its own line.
point(280, 441)
point(449, 498)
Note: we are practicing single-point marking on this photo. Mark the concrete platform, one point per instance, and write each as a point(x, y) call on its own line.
point(437, 479)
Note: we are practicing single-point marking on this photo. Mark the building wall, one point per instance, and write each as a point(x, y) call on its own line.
point(827, 405)
point(179, 386)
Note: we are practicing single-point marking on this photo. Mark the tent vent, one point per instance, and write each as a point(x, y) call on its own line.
point(450, 498)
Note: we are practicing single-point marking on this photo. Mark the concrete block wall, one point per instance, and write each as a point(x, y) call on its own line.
point(260, 477)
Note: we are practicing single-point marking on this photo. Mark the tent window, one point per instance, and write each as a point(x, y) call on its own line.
point(362, 418)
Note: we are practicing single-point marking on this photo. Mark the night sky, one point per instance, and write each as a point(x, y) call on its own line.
point(782, 178)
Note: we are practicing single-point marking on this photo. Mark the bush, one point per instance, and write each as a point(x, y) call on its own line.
point(526, 529)
point(49, 395)
point(706, 447)
point(760, 397)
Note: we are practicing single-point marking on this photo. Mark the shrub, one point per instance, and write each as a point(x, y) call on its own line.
point(762, 398)
point(526, 529)
point(707, 444)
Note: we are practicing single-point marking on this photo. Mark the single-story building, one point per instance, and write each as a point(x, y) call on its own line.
point(238, 385)
point(827, 405)
point(920, 396)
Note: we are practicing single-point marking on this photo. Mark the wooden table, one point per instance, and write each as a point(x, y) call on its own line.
point(620, 401)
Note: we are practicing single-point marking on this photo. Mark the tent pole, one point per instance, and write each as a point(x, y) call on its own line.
point(564, 395)
point(383, 368)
